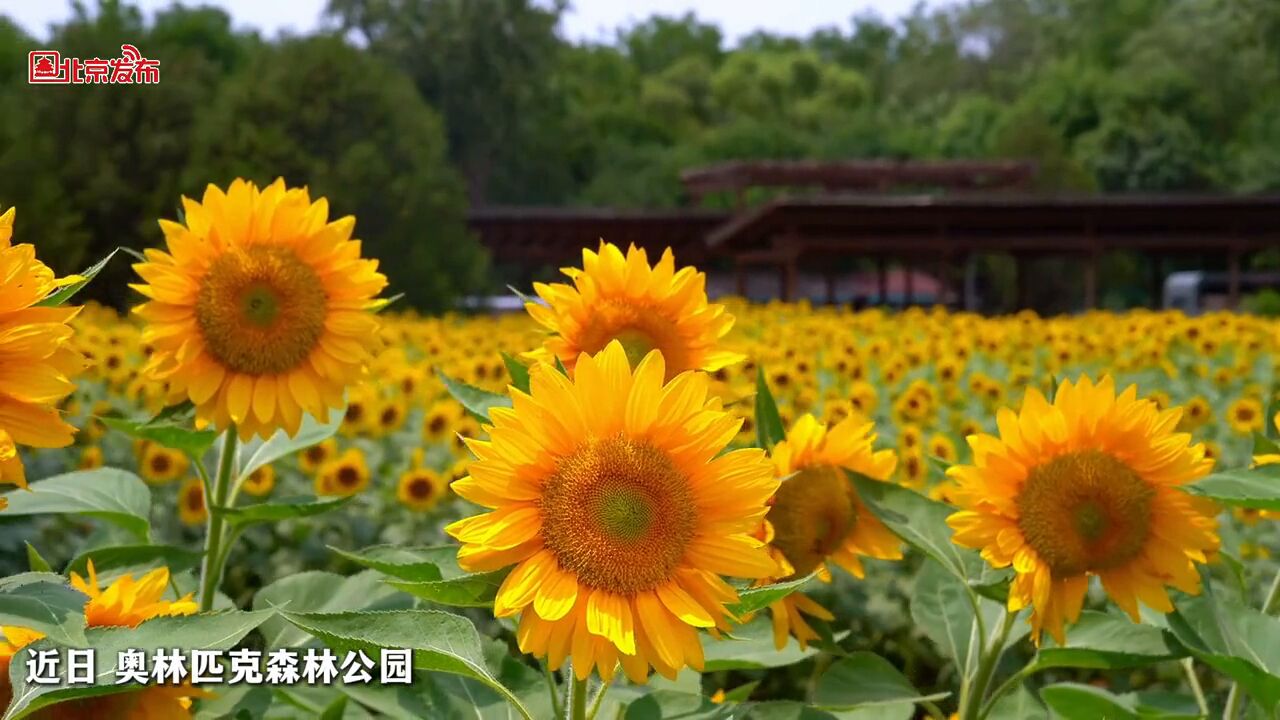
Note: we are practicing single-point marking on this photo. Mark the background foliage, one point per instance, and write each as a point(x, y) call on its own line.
point(403, 111)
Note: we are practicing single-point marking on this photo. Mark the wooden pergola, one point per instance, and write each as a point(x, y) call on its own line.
point(829, 211)
point(944, 231)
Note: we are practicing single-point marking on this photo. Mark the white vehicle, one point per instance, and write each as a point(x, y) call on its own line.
point(1195, 292)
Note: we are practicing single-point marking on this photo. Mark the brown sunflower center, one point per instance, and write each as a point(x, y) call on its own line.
point(420, 488)
point(195, 498)
point(1085, 511)
point(618, 515)
point(348, 476)
point(160, 464)
point(260, 310)
point(812, 513)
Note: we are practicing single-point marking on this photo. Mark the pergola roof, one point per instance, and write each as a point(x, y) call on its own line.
point(985, 223)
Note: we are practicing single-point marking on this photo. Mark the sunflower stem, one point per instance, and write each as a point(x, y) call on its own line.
point(577, 699)
point(557, 707)
point(215, 496)
point(598, 701)
point(1269, 607)
point(1189, 668)
point(987, 668)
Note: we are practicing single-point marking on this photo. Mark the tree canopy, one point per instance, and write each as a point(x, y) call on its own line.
point(405, 111)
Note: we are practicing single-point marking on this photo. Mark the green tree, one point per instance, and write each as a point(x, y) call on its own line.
point(305, 109)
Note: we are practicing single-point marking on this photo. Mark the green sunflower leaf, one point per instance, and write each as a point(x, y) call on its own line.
point(43, 601)
point(35, 561)
point(415, 564)
point(471, 590)
point(264, 452)
point(1073, 701)
point(752, 599)
point(476, 401)
point(1238, 641)
point(441, 641)
point(168, 434)
point(518, 371)
point(1257, 488)
point(864, 680)
point(920, 522)
point(282, 509)
point(113, 561)
point(205, 631)
point(66, 292)
point(769, 429)
point(1105, 642)
point(116, 496)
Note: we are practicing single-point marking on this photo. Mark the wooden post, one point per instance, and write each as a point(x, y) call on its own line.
point(942, 272)
point(830, 277)
point(1233, 278)
point(740, 278)
point(970, 282)
point(1091, 281)
point(882, 281)
point(790, 277)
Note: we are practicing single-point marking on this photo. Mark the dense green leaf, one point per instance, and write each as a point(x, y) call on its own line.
point(222, 630)
point(941, 607)
point(1235, 640)
point(35, 561)
point(68, 291)
point(1073, 701)
point(115, 560)
point(1264, 444)
point(471, 590)
point(441, 642)
point(757, 598)
point(865, 679)
point(1018, 705)
point(769, 429)
point(1104, 641)
point(264, 452)
point(408, 563)
point(282, 509)
point(106, 493)
point(1257, 488)
point(43, 601)
point(518, 371)
point(316, 591)
point(169, 434)
point(919, 521)
point(476, 401)
point(751, 648)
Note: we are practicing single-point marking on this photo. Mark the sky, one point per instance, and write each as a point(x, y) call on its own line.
point(587, 19)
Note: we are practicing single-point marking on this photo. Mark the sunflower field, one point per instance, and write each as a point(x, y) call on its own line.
point(251, 493)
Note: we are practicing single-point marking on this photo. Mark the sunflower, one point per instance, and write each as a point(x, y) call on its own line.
point(37, 360)
point(344, 475)
point(259, 311)
point(440, 418)
point(261, 481)
point(315, 456)
point(90, 458)
point(191, 506)
point(613, 500)
point(160, 465)
point(1245, 415)
point(420, 488)
point(617, 297)
point(817, 517)
point(125, 603)
point(1087, 485)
